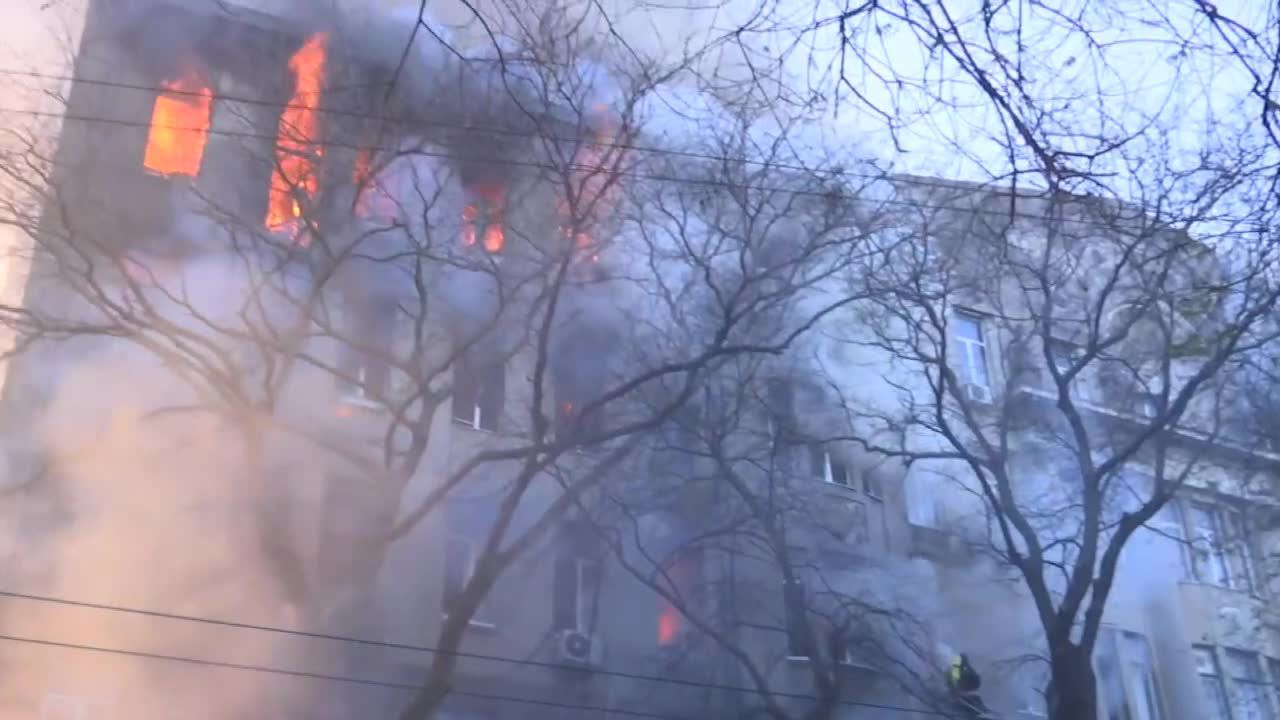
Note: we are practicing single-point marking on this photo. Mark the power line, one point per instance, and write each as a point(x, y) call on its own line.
point(910, 204)
point(628, 147)
point(313, 635)
point(409, 687)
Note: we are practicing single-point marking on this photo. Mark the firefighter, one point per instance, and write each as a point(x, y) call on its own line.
point(964, 682)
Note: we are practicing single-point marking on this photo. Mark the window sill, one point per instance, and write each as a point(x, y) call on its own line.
point(1223, 588)
point(472, 426)
point(474, 624)
point(349, 398)
point(805, 659)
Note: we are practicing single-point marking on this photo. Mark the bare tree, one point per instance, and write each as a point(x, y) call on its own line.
point(1071, 365)
point(484, 220)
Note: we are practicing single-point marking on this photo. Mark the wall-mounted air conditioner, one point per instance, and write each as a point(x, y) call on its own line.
point(574, 647)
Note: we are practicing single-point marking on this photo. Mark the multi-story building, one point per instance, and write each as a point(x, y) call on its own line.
point(752, 551)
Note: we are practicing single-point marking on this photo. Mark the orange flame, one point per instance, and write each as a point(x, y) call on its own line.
point(179, 127)
point(296, 150)
point(590, 174)
point(668, 624)
point(362, 178)
point(488, 211)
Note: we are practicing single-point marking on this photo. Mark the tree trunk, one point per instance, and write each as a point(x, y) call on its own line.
point(1073, 692)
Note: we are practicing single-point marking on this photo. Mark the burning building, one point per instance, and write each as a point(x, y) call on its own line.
point(390, 229)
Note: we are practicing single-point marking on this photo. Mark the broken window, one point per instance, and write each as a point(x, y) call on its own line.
point(295, 179)
point(479, 390)
point(179, 126)
point(484, 217)
point(827, 467)
point(682, 578)
point(366, 338)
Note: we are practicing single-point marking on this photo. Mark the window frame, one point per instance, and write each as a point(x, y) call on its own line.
point(1213, 675)
point(968, 346)
point(483, 379)
point(818, 453)
point(1221, 549)
point(1080, 388)
point(481, 618)
point(1255, 665)
point(1135, 677)
point(592, 595)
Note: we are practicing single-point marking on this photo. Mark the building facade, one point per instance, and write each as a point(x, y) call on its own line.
point(753, 548)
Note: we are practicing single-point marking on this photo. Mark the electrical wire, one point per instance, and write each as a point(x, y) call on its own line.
point(417, 122)
point(409, 687)
point(677, 179)
point(426, 649)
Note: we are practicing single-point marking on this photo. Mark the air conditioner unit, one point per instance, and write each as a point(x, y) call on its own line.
point(977, 393)
point(575, 647)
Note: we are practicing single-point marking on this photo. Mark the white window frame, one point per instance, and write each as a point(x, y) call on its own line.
point(480, 618)
point(972, 353)
point(1213, 564)
point(829, 463)
point(476, 420)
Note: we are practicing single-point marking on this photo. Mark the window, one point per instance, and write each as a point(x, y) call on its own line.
point(970, 351)
point(577, 591)
point(587, 591)
point(780, 406)
point(681, 577)
point(873, 484)
point(1148, 404)
point(827, 468)
point(1215, 695)
point(1127, 684)
point(479, 389)
point(1066, 356)
point(483, 217)
point(1249, 687)
point(922, 506)
point(367, 334)
point(793, 602)
point(1140, 679)
point(459, 566)
point(1273, 664)
point(1168, 521)
point(1220, 552)
point(179, 127)
point(295, 180)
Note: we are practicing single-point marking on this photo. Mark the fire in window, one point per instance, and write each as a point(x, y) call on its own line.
point(682, 579)
point(179, 126)
point(297, 152)
point(483, 218)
